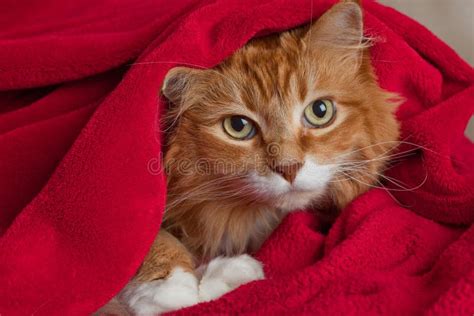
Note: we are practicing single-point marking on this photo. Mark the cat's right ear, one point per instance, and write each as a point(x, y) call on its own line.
point(341, 27)
point(177, 82)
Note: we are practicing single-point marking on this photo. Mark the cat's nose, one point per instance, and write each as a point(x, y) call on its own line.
point(287, 171)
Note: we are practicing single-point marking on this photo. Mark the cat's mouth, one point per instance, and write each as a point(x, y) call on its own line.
point(295, 199)
point(311, 178)
point(294, 189)
point(309, 185)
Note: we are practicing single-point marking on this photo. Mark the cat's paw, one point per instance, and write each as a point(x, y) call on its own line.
point(178, 290)
point(224, 274)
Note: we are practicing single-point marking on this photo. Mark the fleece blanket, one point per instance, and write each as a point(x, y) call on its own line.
point(82, 195)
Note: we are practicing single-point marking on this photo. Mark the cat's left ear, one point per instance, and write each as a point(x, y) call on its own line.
point(340, 28)
point(177, 83)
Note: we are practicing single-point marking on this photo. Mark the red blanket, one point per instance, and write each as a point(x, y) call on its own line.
point(81, 199)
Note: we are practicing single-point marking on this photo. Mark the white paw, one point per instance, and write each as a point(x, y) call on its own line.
point(226, 274)
point(179, 290)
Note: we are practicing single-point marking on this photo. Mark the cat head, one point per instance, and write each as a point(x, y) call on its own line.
point(290, 121)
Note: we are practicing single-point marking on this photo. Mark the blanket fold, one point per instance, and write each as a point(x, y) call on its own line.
point(82, 195)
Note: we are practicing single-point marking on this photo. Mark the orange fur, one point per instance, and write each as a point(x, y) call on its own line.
point(212, 209)
point(165, 254)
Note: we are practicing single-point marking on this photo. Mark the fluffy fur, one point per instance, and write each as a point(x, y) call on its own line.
point(224, 194)
point(181, 288)
point(223, 275)
point(178, 290)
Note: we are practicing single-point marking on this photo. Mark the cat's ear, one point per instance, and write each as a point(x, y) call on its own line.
point(341, 27)
point(177, 82)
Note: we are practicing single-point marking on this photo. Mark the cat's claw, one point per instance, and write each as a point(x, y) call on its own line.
point(178, 290)
point(224, 274)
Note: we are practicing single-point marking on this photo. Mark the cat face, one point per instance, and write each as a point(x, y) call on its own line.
point(288, 121)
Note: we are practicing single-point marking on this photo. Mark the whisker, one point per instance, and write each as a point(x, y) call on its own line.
point(218, 184)
point(167, 62)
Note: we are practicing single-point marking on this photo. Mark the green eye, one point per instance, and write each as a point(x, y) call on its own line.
point(319, 113)
point(239, 127)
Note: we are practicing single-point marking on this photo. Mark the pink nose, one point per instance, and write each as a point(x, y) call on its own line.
point(288, 171)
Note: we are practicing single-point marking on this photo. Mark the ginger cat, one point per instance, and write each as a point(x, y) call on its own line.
point(290, 121)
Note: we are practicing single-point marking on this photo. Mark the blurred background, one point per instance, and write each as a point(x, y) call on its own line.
point(450, 20)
